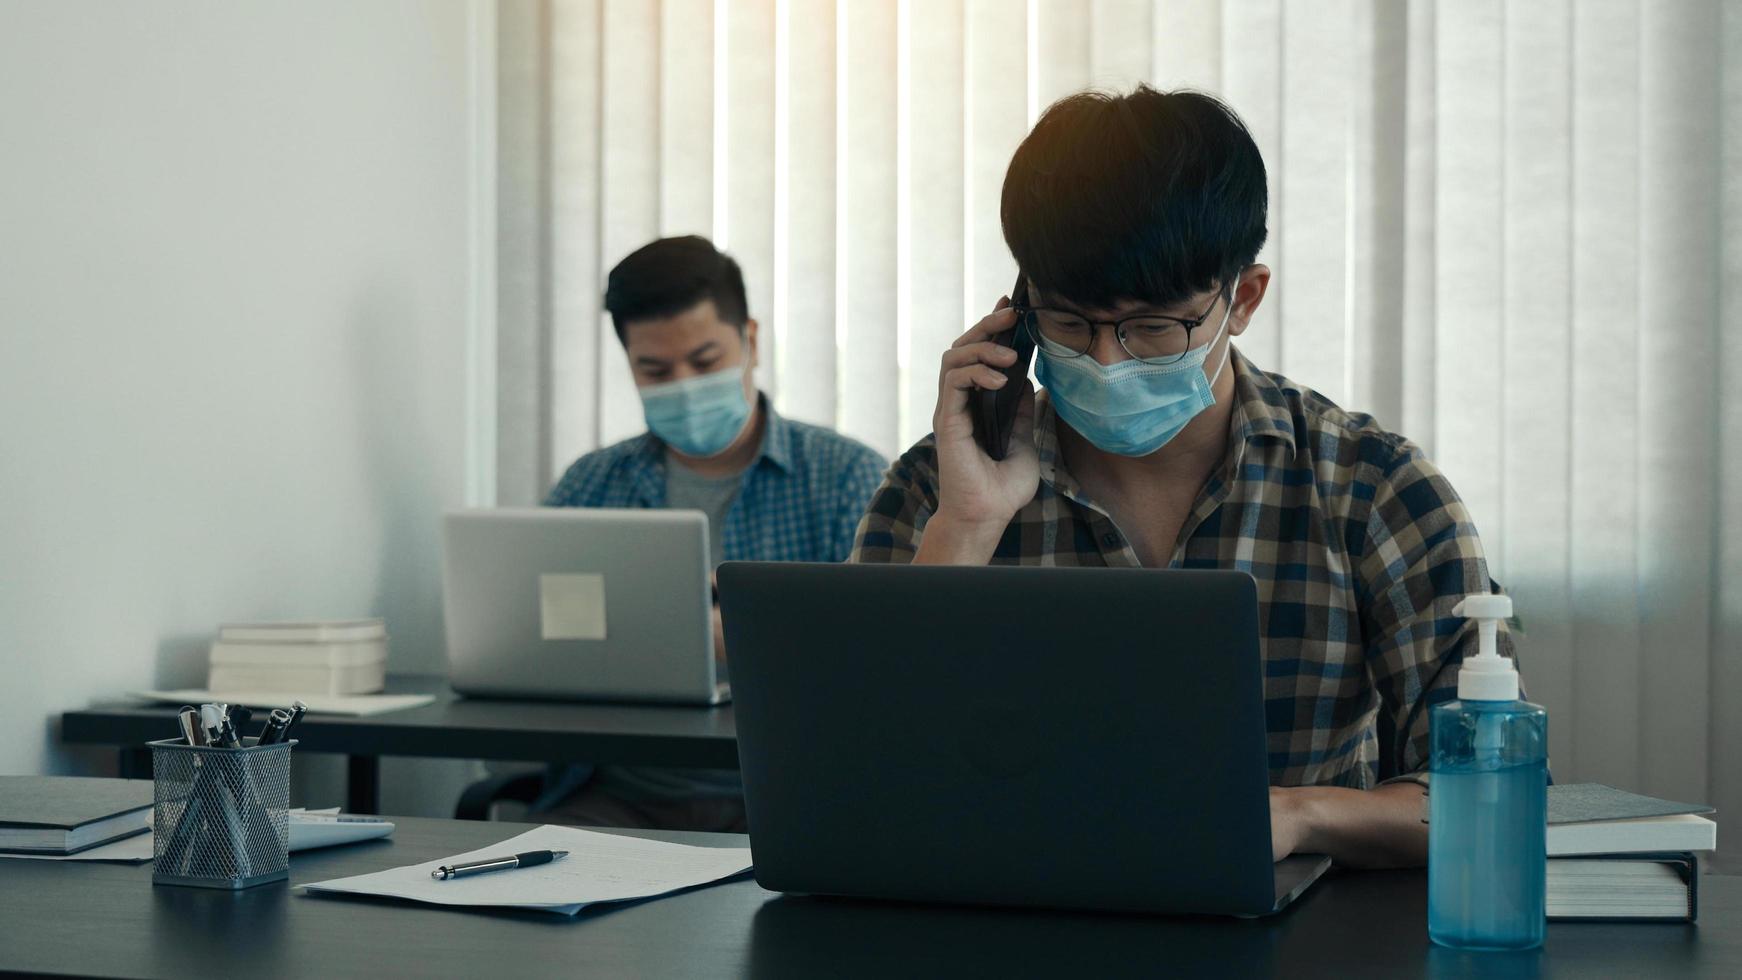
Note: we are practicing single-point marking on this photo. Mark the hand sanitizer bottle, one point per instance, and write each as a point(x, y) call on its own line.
point(1488, 802)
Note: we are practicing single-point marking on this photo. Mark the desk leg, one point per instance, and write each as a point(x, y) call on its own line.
point(135, 763)
point(363, 784)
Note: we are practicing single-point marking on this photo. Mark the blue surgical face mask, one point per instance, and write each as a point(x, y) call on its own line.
point(1130, 408)
point(698, 416)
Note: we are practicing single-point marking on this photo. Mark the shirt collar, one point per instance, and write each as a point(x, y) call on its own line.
point(1261, 409)
point(1260, 413)
point(777, 437)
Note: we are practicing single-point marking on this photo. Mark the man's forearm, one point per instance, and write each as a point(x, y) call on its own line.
point(1377, 828)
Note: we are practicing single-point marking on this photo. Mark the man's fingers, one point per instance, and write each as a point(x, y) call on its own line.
point(973, 376)
point(969, 362)
point(984, 352)
point(952, 397)
point(988, 327)
point(953, 388)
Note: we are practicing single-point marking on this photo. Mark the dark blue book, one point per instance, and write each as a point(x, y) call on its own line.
point(69, 814)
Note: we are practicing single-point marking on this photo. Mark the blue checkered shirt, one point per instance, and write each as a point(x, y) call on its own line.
point(800, 500)
point(1359, 546)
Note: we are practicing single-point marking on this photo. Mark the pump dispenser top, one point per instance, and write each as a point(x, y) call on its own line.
point(1487, 676)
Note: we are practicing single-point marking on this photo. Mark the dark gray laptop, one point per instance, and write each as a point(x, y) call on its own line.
point(1067, 738)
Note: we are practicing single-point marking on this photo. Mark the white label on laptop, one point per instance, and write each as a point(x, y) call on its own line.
point(572, 607)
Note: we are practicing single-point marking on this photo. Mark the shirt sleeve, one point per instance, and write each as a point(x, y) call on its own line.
point(859, 483)
point(583, 483)
point(890, 532)
point(567, 491)
point(1421, 555)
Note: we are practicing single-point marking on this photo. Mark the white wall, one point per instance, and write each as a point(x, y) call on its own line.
point(234, 284)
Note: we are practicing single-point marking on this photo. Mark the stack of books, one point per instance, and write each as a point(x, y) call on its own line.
point(331, 657)
point(1619, 856)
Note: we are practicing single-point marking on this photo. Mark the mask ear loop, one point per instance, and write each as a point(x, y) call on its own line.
point(1228, 350)
point(753, 401)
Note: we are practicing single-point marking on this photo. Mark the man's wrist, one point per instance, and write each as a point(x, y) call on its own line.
point(952, 540)
point(1373, 828)
point(1303, 806)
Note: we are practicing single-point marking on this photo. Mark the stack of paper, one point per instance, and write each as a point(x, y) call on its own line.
point(330, 657)
point(599, 868)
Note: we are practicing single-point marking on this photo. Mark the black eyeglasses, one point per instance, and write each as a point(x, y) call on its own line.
point(1148, 337)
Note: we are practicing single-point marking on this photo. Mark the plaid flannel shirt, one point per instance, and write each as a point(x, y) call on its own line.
point(1359, 546)
point(800, 500)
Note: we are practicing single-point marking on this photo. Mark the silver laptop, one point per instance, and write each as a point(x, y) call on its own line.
point(580, 604)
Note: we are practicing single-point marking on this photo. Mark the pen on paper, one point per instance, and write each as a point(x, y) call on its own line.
point(512, 861)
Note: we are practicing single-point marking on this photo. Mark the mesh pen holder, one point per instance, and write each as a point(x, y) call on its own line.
point(222, 816)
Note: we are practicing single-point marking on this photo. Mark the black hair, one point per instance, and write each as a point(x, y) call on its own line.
point(666, 277)
point(1149, 197)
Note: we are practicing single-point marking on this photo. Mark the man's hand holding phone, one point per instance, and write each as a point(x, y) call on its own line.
point(977, 496)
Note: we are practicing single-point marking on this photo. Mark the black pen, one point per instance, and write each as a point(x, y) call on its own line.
point(297, 710)
point(509, 863)
point(277, 723)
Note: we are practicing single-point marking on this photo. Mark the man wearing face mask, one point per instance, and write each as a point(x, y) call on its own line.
point(1136, 220)
point(772, 489)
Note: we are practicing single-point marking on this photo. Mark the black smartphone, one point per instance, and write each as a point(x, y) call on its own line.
point(995, 411)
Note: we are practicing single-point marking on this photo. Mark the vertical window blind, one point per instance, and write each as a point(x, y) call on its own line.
point(1511, 231)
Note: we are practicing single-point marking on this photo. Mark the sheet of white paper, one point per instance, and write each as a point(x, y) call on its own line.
point(134, 849)
point(320, 704)
point(599, 868)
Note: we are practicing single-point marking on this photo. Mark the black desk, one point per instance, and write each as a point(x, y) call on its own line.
point(108, 920)
point(454, 728)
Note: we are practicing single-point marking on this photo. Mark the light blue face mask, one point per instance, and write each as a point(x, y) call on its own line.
point(698, 416)
point(1130, 408)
